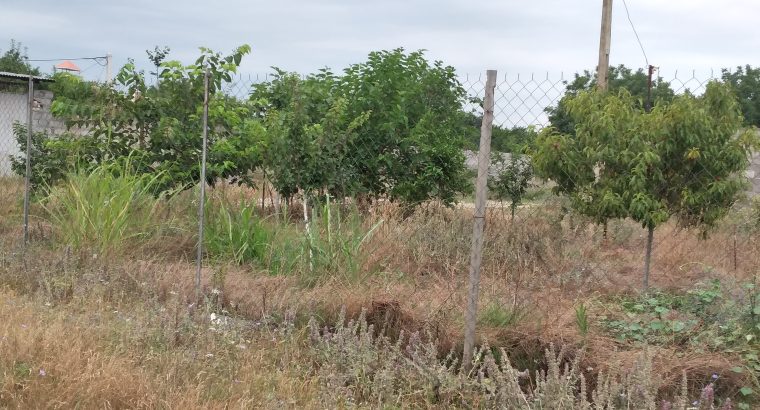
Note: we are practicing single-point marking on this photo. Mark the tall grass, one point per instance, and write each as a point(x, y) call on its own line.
point(103, 209)
point(237, 233)
point(334, 246)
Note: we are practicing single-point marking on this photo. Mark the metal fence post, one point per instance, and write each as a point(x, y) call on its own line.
point(28, 173)
point(481, 193)
point(202, 185)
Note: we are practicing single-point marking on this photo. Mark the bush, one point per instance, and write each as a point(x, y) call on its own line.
point(161, 130)
point(513, 180)
point(389, 127)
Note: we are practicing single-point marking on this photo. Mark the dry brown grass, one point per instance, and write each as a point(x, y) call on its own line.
point(540, 263)
point(134, 356)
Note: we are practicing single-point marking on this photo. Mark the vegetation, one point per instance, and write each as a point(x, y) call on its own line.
point(104, 209)
point(347, 292)
point(619, 78)
point(513, 180)
point(745, 82)
point(132, 304)
point(683, 160)
point(161, 131)
point(15, 60)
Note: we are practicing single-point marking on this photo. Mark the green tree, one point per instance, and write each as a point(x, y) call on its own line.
point(389, 127)
point(157, 56)
point(510, 140)
point(15, 60)
point(310, 134)
point(411, 146)
point(161, 132)
point(620, 77)
point(513, 179)
point(685, 159)
point(746, 83)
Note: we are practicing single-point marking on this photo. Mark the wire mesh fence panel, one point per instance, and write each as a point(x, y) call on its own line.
point(319, 200)
point(13, 125)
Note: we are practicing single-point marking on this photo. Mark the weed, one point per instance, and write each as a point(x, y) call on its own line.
point(239, 234)
point(581, 319)
point(498, 315)
point(103, 210)
point(334, 244)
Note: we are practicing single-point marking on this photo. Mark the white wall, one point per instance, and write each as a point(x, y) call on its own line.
point(13, 107)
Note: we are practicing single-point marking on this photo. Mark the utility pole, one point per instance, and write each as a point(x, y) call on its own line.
point(605, 39)
point(109, 68)
point(648, 105)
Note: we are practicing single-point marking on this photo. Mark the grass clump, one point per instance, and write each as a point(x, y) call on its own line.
point(238, 234)
point(334, 244)
point(103, 209)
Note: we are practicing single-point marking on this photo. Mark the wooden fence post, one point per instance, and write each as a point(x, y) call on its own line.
point(481, 194)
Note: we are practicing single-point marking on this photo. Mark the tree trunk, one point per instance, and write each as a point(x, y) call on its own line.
point(648, 258)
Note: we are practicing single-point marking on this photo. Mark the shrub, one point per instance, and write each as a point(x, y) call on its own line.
point(513, 180)
point(359, 365)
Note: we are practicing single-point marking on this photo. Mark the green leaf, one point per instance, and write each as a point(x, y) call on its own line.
point(657, 325)
point(737, 369)
point(746, 391)
point(678, 326)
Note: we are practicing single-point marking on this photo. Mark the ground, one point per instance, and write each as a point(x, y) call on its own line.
point(122, 327)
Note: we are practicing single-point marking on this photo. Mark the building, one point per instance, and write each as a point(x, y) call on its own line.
point(14, 108)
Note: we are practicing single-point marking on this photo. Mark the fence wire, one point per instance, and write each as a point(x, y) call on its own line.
point(408, 268)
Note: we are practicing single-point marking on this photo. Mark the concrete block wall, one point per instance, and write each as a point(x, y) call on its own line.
point(13, 108)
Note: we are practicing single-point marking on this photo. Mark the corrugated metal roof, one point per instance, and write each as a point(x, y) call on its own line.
point(15, 76)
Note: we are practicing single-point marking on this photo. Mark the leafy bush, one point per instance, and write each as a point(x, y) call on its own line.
point(513, 179)
point(411, 146)
point(389, 127)
point(684, 159)
point(310, 134)
point(52, 158)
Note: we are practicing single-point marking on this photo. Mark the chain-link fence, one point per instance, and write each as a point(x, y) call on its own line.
point(14, 118)
point(407, 265)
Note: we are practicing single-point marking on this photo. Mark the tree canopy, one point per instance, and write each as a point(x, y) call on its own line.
point(685, 159)
point(746, 83)
point(620, 78)
point(15, 60)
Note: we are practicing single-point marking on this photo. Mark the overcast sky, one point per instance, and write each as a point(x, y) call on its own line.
point(512, 36)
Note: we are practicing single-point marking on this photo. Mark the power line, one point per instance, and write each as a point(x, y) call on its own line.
point(59, 59)
point(636, 33)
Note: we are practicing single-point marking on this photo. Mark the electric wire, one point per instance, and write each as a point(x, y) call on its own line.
point(628, 14)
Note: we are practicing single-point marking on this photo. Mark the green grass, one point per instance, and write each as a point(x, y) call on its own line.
point(237, 233)
point(497, 315)
point(334, 244)
point(103, 209)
